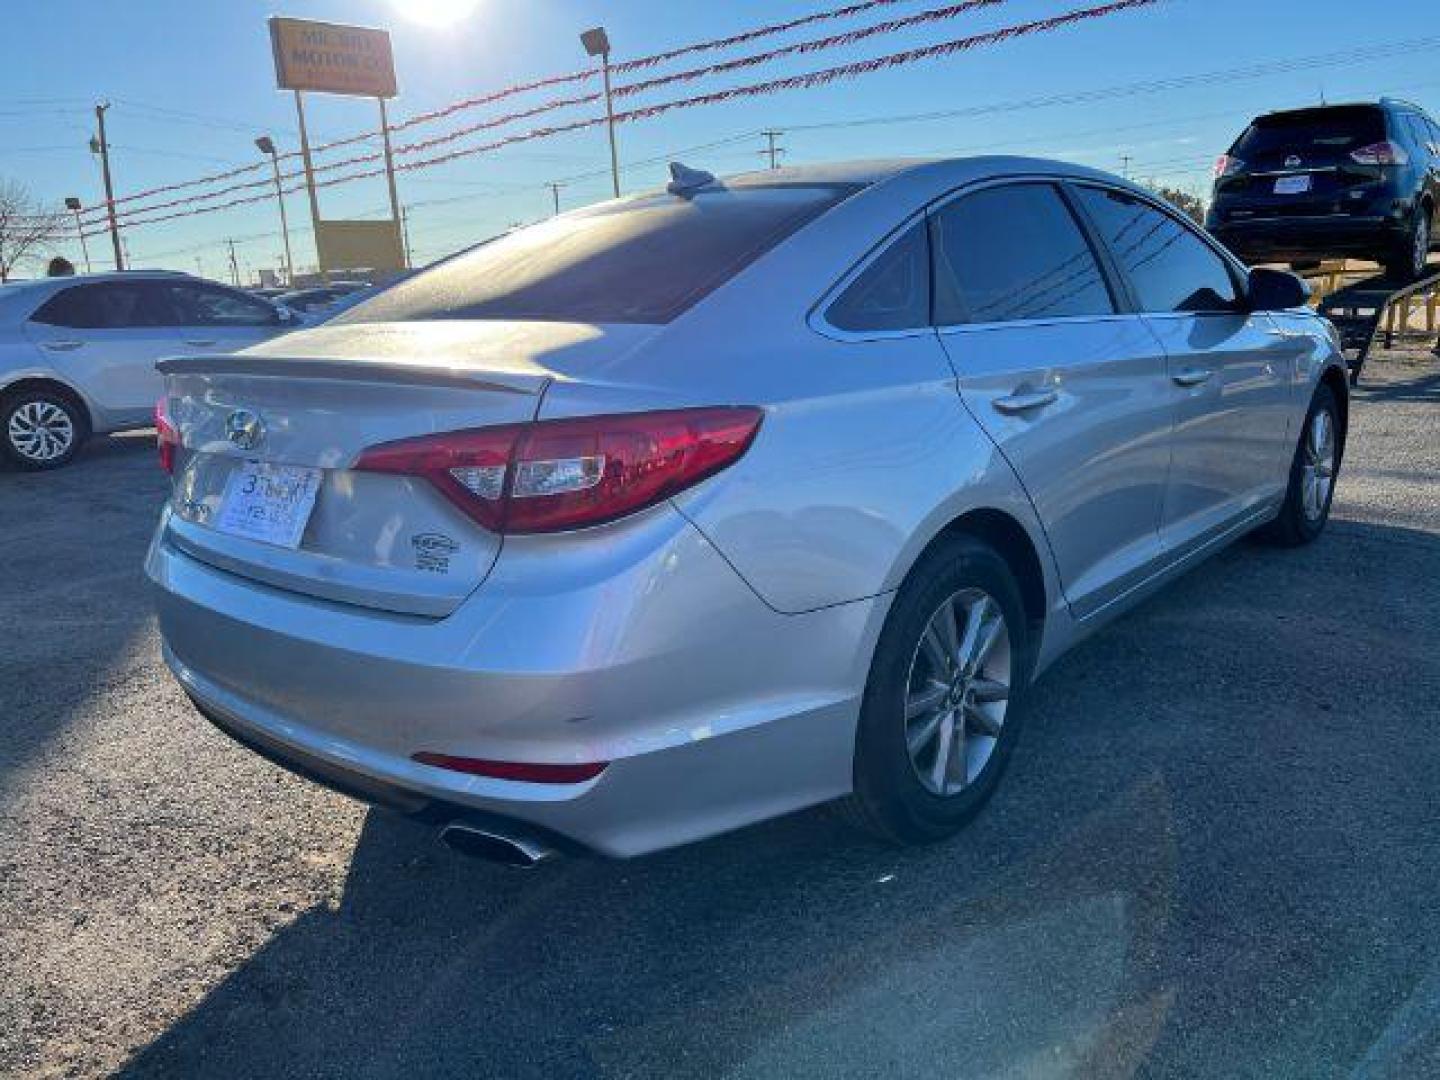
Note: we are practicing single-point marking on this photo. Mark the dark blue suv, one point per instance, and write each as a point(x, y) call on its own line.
point(1359, 181)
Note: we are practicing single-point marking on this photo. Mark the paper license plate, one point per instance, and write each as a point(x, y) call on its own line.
point(268, 502)
point(1292, 185)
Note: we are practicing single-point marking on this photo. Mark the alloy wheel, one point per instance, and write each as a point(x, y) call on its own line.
point(1421, 255)
point(958, 692)
point(1318, 475)
point(41, 431)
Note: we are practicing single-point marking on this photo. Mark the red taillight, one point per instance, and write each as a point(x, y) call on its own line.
point(531, 773)
point(167, 439)
point(1381, 153)
point(555, 475)
point(1225, 165)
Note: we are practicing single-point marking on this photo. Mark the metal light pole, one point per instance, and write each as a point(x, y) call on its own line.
point(73, 205)
point(266, 145)
point(395, 212)
point(597, 43)
point(109, 187)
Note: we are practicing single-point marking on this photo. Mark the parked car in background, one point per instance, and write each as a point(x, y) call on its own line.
point(1359, 181)
point(319, 299)
point(78, 354)
point(686, 510)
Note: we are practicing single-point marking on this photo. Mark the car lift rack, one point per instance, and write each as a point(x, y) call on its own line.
point(1358, 310)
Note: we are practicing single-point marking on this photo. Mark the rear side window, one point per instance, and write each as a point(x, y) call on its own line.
point(109, 306)
point(1317, 131)
point(1010, 253)
point(1169, 267)
point(892, 293)
point(644, 260)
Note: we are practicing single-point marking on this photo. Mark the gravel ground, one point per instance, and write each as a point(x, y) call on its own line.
point(1216, 853)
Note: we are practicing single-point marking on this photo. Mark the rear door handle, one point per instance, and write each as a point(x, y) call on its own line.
point(200, 342)
point(1026, 402)
point(63, 346)
point(1192, 377)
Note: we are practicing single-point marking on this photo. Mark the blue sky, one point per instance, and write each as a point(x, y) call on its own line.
point(191, 84)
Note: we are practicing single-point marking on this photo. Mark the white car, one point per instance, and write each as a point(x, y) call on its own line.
point(78, 354)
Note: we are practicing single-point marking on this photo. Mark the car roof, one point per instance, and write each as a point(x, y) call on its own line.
point(936, 171)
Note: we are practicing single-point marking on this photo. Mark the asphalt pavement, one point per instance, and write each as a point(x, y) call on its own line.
point(1217, 853)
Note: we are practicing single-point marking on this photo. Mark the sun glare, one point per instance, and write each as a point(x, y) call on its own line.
point(436, 12)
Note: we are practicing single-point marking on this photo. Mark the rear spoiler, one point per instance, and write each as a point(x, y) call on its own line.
point(359, 369)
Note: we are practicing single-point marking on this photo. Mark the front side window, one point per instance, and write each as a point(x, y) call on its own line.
point(199, 305)
point(892, 293)
point(1170, 268)
point(1010, 253)
point(643, 260)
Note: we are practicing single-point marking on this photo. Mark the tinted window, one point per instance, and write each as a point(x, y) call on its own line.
point(109, 306)
point(640, 261)
point(198, 305)
point(1170, 268)
point(1011, 253)
point(892, 293)
point(1323, 131)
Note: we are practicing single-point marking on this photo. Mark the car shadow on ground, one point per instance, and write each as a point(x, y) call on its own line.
point(1423, 390)
point(1195, 867)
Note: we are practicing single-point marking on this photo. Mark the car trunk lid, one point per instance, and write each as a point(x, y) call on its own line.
point(269, 437)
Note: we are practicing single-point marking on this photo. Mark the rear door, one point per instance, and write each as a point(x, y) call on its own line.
point(105, 338)
point(1072, 389)
point(1232, 372)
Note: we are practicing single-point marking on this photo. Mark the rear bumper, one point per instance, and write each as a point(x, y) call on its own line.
point(713, 711)
point(1285, 239)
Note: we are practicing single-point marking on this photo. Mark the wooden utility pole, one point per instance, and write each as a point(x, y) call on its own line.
point(109, 186)
point(234, 265)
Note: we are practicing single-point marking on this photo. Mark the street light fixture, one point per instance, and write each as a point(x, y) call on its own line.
point(597, 43)
point(73, 205)
point(266, 145)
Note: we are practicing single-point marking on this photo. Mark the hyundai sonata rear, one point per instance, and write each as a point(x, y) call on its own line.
point(684, 511)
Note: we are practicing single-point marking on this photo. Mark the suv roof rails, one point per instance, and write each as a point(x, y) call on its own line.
point(1404, 103)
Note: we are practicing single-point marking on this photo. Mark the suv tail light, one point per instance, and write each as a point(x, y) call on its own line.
point(555, 475)
point(167, 439)
point(1385, 152)
point(1225, 165)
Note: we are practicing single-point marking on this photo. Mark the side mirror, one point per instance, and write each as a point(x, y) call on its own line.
point(285, 316)
point(1276, 290)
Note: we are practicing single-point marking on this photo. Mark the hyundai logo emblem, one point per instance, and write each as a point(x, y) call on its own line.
point(1293, 162)
point(245, 429)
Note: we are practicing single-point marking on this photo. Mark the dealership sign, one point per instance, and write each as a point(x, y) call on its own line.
point(332, 59)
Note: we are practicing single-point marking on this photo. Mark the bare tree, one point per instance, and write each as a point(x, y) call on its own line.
point(1183, 201)
point(25, 224)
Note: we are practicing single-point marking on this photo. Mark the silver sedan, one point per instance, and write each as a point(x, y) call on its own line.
point(691, 509)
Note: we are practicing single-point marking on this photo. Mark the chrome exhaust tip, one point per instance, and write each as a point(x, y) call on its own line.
point(493, 846)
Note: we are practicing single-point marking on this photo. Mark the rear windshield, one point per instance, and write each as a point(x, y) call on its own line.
point(1320, 131)
point(644, 260)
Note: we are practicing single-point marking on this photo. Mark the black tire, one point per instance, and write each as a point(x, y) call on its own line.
point(890, 800)
point(18, 410)
point(1296, 526)
point(1407, 262)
